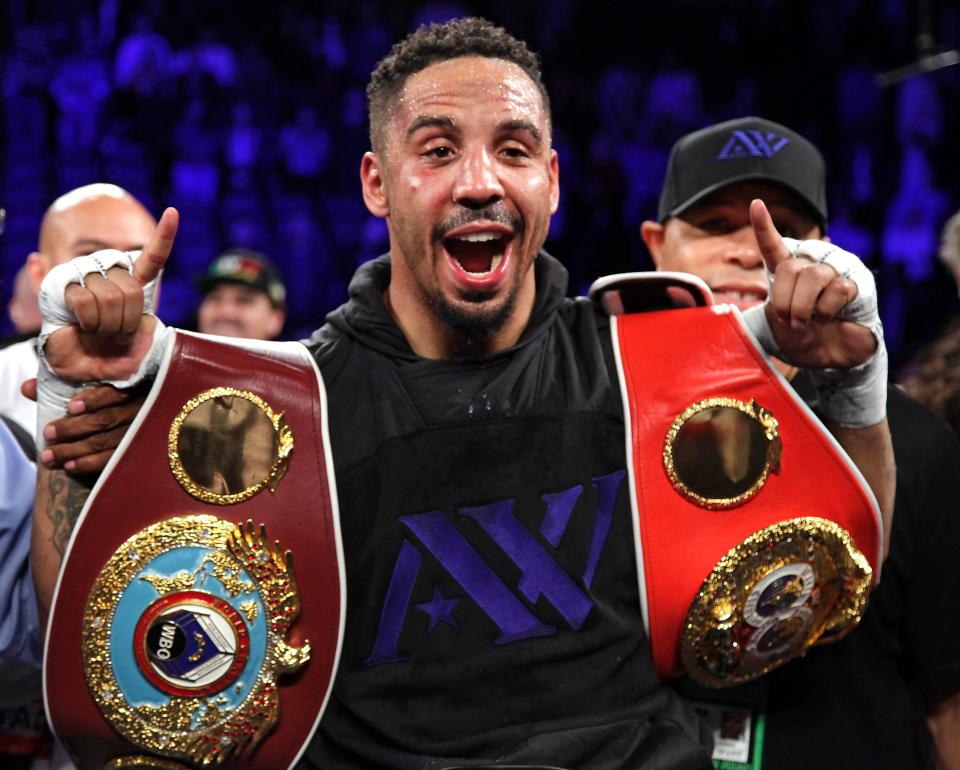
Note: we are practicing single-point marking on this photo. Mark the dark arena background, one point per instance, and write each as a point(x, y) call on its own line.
point(250, 118)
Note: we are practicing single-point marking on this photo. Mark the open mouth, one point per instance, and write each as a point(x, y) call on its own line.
point(479, 258)
point(477, 253)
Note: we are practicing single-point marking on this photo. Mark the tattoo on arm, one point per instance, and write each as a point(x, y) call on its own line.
point(66, 495)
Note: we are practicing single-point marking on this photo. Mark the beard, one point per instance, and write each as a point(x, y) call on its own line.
point(473, 325)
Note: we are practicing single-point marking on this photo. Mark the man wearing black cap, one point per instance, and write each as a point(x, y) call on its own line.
point(243, 297)
point(864, 701)
point(703, 222)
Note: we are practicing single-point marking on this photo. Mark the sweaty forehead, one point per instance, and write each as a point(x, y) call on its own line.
point(470, 86)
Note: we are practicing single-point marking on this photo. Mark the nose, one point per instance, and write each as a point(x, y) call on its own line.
point(743, 250)
point(224, 309)
point(477, 183)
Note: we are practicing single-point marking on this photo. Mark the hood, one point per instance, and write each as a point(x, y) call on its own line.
point(365, 316)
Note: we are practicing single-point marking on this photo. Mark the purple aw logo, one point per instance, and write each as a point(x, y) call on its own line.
point(541, 576)
point(753, 143)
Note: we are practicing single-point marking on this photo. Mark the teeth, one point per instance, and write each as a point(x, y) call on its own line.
point(477, 237)
point(494, 263)
point(742, 295)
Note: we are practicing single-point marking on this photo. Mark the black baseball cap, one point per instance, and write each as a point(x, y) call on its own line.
point(747, 149)
point(247, 267)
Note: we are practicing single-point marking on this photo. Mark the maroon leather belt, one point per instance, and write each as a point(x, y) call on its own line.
point(199, 611)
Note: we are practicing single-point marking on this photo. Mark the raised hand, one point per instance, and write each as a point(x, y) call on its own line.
point(806, 303)
point(111, 334)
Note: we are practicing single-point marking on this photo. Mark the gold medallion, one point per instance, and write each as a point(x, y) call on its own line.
point(771, 597)
point(719, 452)
point(228, 444)
point(184, 638)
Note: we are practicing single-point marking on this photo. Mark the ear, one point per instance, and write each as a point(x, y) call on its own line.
point(38, 265)
point(652, 234)
point(554, 172)
point(276, 322)
point(372, 184)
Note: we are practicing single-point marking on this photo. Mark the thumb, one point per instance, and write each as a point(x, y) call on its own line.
point(155, 254)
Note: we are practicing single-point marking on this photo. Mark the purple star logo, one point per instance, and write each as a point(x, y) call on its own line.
point(439, 609)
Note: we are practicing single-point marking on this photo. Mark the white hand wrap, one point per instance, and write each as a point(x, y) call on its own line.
point(55, 283)
point(54, 393)
point(755, 319)
point(855, 397)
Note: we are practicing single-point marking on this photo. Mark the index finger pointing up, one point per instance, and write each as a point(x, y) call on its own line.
point(154, 255)
point(772, 247)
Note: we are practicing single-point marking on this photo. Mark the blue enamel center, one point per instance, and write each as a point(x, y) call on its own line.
point(140, 594)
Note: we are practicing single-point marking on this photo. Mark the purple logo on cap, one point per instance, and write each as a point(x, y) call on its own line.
point(751, 142)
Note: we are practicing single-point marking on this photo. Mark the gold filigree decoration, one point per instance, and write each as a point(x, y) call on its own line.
point(163, 585)
point(785, 588)
point(227, 571)
point(204, 730)
point(226, 445)
point(143, 763)
point(252, 548)
point(250, 610)
point(719, 452)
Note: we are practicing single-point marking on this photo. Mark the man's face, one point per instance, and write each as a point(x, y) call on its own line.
point(714, 240)
point(235, 310)
point(467, 182)
point(102, 222)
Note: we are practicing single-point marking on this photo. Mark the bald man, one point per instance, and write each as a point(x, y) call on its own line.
point(84, 220)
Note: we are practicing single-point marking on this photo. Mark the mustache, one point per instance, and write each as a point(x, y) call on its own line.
point(495, 212)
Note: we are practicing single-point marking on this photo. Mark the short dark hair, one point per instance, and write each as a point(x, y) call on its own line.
point(434, 43)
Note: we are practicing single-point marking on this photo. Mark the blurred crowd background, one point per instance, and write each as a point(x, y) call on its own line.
point(250, 118)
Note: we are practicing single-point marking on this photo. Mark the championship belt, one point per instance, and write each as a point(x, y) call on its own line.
point(198, 614)
point(756, 536)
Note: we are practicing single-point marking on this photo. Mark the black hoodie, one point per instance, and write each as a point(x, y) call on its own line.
point(493, 613)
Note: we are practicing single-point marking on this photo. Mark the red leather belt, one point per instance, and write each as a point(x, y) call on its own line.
point(198, 615)
point(751, 522)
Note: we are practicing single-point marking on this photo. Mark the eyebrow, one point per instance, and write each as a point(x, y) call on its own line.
point(507, 127)
point(431, 121)
point(512, 126)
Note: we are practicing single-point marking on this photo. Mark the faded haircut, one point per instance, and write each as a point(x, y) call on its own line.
point(435, 43)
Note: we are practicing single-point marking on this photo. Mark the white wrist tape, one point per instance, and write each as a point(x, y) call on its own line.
point(855, 397)
point(755, 319)
point(54, 393)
